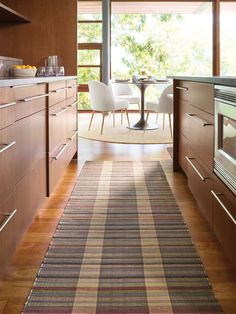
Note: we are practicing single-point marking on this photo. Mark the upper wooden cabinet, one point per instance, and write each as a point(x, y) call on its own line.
point(8, 15)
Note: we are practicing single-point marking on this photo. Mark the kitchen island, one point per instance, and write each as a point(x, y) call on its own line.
point(38, 139)
point(204, 146)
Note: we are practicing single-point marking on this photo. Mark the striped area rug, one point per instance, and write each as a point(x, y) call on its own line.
point(122, 247)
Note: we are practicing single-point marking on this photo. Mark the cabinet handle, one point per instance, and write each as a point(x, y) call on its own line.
point(60, 112)
point(7, 105)
point(8, 217)
point(216, 196)
point(59, 90)
point(61, 151)
point(72, 105)
point(198, 120)
point(6, 147)
point(73, 136)
point(73, 86)
point(34, 97)
point(26, 85)
point(182, 88)
point(196, 170)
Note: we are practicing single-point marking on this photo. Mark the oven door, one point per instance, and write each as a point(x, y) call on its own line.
point(225, 142)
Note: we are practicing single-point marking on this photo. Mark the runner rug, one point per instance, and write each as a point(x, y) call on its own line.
point(122, 247)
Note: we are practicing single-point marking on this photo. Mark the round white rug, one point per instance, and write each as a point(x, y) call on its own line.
point(120, 133)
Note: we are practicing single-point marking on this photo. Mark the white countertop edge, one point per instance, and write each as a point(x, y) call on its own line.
point(14, 81)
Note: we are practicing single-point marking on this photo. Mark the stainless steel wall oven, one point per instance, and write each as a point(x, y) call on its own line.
point(225, 135)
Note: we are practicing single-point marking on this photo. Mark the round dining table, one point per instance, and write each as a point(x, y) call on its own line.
point(142, 85)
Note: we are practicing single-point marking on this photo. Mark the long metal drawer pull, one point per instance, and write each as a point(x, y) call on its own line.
point(72, 105)
point(73, 86)
point(7, 146)
point(216, 196)
point(73, 136)
point(34, 97)
point(25, 85)
point(199, 174)
point(182, 88)
point(7, 105)
point(60, 112)
point(61, 151)
point(198, 120)
point(8, 218)
point(59, 90)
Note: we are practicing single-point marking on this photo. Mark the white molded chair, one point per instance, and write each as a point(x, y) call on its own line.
point(103, 100)
point(164, 105)
point(125, 92)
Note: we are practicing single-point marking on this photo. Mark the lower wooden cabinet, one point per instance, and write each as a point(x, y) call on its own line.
point(183, 152)
point(224, 218)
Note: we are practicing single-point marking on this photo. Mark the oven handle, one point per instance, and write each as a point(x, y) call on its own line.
point(216, 196)
point(194, 167)
point(198, 120)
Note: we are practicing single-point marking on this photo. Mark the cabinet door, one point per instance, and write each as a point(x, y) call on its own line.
point(57, 92)
point(72, 119)
point(30, 134)
point(224, 218)
point(182, 90)
point(200, 183)
point(7, 107)
point(7, 161)
point(71, 90)
point(183, 152)
point(201, 95)
point(184, 122)
point(7, 231)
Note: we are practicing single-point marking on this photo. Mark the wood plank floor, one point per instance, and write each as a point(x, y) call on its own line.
point(19, 276)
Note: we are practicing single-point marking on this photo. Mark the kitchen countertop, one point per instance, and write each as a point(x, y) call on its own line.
point(14, 81)
point(219, 80)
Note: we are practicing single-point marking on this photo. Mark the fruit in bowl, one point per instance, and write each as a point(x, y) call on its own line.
point(24, 70)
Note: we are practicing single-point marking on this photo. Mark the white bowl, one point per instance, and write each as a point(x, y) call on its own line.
point(24, 72)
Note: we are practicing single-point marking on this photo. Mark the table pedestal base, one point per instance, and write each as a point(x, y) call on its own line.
point(143, 126)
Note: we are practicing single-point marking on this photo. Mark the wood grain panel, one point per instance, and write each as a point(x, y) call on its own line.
point(7, 113)
point(201, 95)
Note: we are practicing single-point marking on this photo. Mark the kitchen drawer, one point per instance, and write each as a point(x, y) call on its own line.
point(71, 92)
point(201, 95)
point(29, 193)
point(182, 90)
point(57, 92)
point(30, 134)
point(57, 125)
point(7, 231)
point(201, 134)
point(25, 92)
point(7, 107)
point(70, 83)
point(183, 152)
point(57, 162)
point(72, 113)
point(7, 161)
point(30, 105)
point(183, 118)
point(72, 147)
point(224, 218)
point(200, 183)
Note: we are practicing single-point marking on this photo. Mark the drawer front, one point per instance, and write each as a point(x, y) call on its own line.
point(183, 152)
point(72, 119)
point(21, 92)
point(72, 148)
point(182, 90)
point(7, 161)
point(57, 125)
point(201, 95)
point(7, 231)
point(7, 107)
point(183, 118)
point(31, 142)
point(70, 83)
point(29, 193)
point(200, 183)
point(26, 108)
point(71, 92)
point(57, 92)
point(224, 218)
point(201, 134)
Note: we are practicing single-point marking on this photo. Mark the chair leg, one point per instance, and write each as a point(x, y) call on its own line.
point(103, 118)
point(147, 116)
point(127, 115)
point(121, 116)
point(163, 121)
point(91, 120)
point(139, 106)
point(114, 119)
point(171, 133)
point(157, 118)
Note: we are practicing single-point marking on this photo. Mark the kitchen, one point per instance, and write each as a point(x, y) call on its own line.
point(33, 166)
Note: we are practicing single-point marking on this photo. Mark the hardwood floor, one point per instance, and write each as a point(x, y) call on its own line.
point(19, 276)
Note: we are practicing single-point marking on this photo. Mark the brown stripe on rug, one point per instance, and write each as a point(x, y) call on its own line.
point(122, 247)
